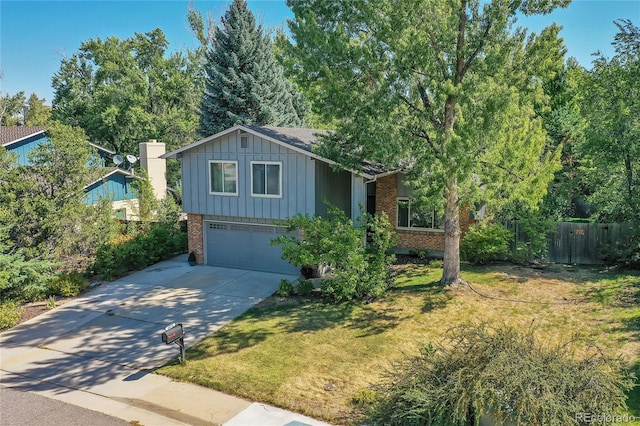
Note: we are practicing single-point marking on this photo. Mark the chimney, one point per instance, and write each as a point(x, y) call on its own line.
point(155, 166)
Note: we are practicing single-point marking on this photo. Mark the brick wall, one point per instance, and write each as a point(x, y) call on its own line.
point(195, 238)
point(386, 200)
point(386, 195)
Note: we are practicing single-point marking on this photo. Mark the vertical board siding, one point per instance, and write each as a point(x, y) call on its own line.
point(297, 179)
point(25, 146)
point(116, 188)
point(334, 187)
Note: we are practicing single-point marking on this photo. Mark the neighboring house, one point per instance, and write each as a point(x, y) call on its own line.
point(22, 139)
point(109, 182)
point(240, 185)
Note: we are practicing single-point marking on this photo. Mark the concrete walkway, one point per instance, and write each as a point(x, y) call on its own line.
point(98, 351)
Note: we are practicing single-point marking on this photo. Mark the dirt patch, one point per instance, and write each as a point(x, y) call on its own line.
point(33, 309)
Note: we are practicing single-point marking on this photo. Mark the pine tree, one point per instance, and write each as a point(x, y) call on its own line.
point(244, 82)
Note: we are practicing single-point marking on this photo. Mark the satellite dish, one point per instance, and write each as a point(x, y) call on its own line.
point(131, 159)
point(117, 159)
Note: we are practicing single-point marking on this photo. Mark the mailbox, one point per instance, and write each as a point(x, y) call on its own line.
point(172, 333)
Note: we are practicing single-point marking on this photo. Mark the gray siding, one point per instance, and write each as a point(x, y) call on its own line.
point(332, 186)
point(298, 172)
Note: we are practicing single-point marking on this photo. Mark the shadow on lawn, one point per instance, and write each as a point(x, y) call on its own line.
point(624, 296)
point(436, 296)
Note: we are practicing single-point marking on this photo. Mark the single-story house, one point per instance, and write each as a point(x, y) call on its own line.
point(110, 181)
point(240, 185)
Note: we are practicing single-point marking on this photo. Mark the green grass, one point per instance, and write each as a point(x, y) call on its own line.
point(315, 357)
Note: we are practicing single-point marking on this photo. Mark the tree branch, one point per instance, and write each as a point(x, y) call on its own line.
point(462, 22)
point(477, 51)
point(424, 135)
point(509, 171)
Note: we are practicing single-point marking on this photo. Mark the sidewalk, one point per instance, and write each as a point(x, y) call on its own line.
point(97, 351)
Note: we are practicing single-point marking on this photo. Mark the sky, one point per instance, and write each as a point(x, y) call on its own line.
point(35, 35)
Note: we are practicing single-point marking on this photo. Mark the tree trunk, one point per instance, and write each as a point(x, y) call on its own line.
point(451, 271)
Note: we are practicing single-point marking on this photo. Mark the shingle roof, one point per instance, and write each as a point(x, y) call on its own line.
point(10, 134)
point(304, 139)
point(300, 139)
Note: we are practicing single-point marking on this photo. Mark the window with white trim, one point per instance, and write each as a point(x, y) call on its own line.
point(411, 216)
point(223, 177)
point(266, 179)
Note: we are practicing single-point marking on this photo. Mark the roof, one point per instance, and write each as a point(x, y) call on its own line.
point(12, 134)
point(102, 173)
point(297, 139)
point(101, 148)
point(305, 139)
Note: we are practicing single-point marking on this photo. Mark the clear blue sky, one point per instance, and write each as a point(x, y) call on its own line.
point(35, 35)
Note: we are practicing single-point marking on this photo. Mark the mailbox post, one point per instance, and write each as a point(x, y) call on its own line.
point(174, 333)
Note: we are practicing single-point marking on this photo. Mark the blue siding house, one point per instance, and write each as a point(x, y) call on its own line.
point(112, 183)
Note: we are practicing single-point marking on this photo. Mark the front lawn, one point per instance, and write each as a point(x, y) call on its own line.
point(315, 357)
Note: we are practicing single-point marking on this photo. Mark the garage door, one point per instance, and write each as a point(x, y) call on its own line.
point(236, 245)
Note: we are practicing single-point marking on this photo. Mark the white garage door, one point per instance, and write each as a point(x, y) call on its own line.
point(235, 245)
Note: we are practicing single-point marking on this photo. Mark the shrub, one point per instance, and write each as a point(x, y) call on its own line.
point(364, 397)
point(358, 270)
point(479, 369)
point(485, 242)
point(625, 252)
point(10, 313)
point(285, 289)
point(534, 231)
point(22, 279)
point(305, 287)
point(67, 284)
point(159, 242)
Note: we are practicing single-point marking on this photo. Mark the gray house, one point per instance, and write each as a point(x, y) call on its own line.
point(240, 185)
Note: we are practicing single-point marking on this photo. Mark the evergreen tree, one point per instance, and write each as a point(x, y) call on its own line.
point(244, 82)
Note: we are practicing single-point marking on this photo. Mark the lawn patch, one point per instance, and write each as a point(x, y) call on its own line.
point(321, 358)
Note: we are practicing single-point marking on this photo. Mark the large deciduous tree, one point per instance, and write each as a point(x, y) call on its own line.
point(244, 82)
point(122, 92)
point(611, 106)
point(448, 90)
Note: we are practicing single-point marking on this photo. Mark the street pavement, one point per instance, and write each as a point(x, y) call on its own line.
point(98, 352)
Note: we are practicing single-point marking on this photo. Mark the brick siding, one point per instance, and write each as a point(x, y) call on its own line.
point(195, 237)
point(386, 200)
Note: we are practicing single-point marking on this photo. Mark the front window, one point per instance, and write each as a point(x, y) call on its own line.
point(412, 216)
point(266, 179)
point(223, 177)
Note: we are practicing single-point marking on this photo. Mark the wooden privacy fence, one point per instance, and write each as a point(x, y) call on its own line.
point(577, 243)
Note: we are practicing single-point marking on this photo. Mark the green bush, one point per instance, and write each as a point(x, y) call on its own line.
point(532, 241)
point(67, 284)
point(305, 287)
point(358, 270)
point(10, 313)
point(485, 242)
point(22, 279)
point(511, 375)
point(625, 252)
point(285, 289)
point(146, 248)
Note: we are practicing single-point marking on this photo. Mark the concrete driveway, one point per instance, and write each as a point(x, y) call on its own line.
point(98, 350)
